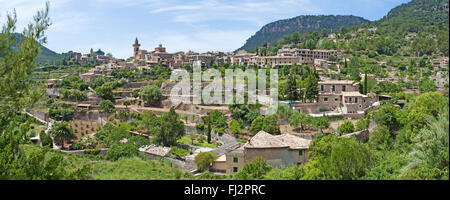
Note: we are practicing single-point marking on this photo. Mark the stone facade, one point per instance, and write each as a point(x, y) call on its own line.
point(279, 151)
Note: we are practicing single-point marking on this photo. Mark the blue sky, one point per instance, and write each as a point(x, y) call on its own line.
point(180, 25)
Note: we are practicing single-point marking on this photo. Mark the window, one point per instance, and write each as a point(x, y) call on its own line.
point(343, 88)
point(335, 99)
point(333, 88)
point(350, 99)
point(235, 159)
point(300, 153)
point(356, 100)
point(235, 169)
point(325, 99)
point(321, 88)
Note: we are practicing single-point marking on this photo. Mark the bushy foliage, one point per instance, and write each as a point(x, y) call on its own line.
point(346, 127)
point(167, 129)
point(268, 124)
point(151, 95)
point(257, 168)
point(333, 158)
point(117, 151)
point(204, 160)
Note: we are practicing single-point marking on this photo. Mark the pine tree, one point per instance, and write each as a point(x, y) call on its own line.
point(209, 133)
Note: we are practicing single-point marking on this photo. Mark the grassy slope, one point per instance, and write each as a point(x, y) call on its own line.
point(123, 169)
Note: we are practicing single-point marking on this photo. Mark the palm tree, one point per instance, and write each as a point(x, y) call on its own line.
point(62, 132)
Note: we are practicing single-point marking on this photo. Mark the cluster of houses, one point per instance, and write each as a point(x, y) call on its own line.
point(285, 56)
point(93, 57)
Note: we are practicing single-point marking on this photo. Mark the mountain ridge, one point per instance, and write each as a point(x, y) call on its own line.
point(274, 31)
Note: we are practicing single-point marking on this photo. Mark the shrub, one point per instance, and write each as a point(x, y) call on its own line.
point(179, 152)
point(346, 127)
point(204, 160)
point(91, 151)
point(76, 146)
point(255, 169)
point(46, 140)
point(121, 150)
point(88, 142)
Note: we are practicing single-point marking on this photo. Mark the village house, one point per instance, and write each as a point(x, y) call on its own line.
point(340, 96)
point(278, 150)
point(285, 56)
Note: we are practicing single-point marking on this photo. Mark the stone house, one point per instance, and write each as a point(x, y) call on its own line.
point(278, 150)
point(337, 95)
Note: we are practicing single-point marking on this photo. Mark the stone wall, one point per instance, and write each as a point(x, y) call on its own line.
point(81, 152)
point(42, 115)
point(362, 136)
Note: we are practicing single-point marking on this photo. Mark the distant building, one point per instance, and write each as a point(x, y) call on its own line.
point(100, 52)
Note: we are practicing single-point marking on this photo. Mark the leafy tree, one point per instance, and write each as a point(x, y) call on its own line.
point(268, 124)
point(427, 85)
point(252, 115)
point(216, 119)
point(139, 141)
point(168, 128)
point(362, 124)
point(46, 140)
point(204, 160)
point(271, 125)
point(321, 123)
point(110, 135)
point(17, 93)
point(427, 104)
point(429, 158)
point(135, 94)
point(346, 127)
point(99, 81)
point(291, 88)
point(334, 158)
point(381, 137)
point(105, 91)
point(107, 106)
point(62, 132)
point(235, 127)
point(151, 95)
point(88, 142)
point(126, 103)
point(256, 169)
point(208, 133)
point(387, 115)
point(299, 120)
point(257, 125)
point(294, 172)
point(117, 151)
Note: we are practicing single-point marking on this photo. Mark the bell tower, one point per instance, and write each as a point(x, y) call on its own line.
point(136, 46)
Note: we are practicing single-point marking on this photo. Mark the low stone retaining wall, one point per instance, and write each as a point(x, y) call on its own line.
point(81, 152)
point(362, 136)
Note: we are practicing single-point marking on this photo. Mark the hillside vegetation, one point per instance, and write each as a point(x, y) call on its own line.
point(275, 31)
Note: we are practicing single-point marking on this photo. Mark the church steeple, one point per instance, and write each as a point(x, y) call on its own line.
point(136, 46)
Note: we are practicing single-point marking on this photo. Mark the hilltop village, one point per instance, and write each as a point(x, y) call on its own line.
point(366, 102)
point(119, 94)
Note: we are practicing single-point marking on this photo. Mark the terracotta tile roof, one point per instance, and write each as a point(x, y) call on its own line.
point(155, 150)
point(266, 140)
point(353, 94)
point(343, 82)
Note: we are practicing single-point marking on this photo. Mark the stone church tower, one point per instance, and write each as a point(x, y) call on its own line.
point(136, 46)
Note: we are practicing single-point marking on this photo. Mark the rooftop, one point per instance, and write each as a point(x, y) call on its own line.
point(353, 94)
point(337, 82)
point(266, 140)
point(155, 150)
